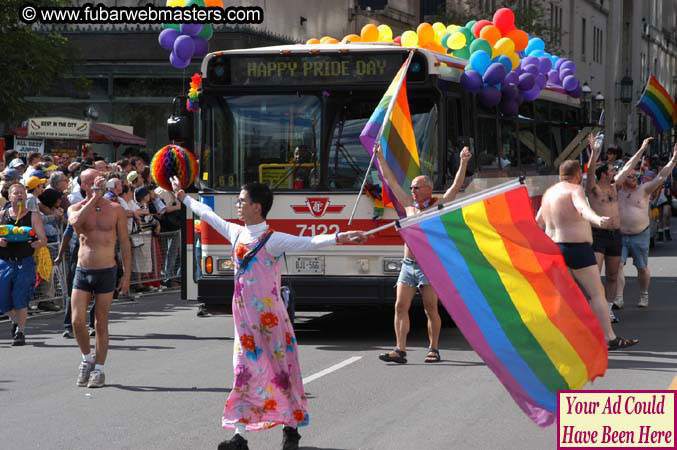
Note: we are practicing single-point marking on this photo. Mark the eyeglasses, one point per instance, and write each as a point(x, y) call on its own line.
point(240, 202)
point(415, 188)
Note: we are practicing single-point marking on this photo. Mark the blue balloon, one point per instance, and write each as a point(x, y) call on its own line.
point(537, 44)
point(471, 81)
point(537, 53)
point(480, 60)
point(494, 73)
point(506, 62)
point(554, 60)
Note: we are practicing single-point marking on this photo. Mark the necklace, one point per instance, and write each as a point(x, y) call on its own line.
point(97, 208)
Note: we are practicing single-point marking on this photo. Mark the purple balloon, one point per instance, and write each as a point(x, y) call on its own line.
point(167, 37)
point(529, 60)
point(191, 29)
point(576, 93)
point(201, 47)
point(509, 107)
point(531, 94)
point(178, 62)
point(494, 73)
point(526, 82)
point(532, 69)
point(559, 63)
point(184, 47)
point(489, 96)
point(509, 92)
point(553, 77)
point(570, 83)
point(541, 80)
point(563, 73)
point(511, 78)
point(568, 65)
point(471, 81)
point(544, 64)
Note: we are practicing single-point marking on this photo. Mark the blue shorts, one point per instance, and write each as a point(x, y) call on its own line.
point(637, 247)
point(17, 283)
point(412, 274)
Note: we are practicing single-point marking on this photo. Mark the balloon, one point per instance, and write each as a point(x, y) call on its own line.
point(312, 41)
point(532, 69)
point(174, 26)
point(471, 81)
point(553, 77)
point(570, 83)
point(175, 3)
point(369, 33)
point(468, 34)
point(504, 46)
point(351, 38)
point(438, 27)
point(480, 61)
point(536, 44)
point(541, 80)
point(478, 27)
point(398, 40)
point(462, 53)
point(184, 47)
point(506, 62)
point(178, 62)
point(511, 78)
point(563, 73)
point(504, 19)
point(453, 29)
point(520, 38)
point(445, 40)
point(425, 33)
point(494, 73)
point(509, 92)
point(526, 82)
point(544, 64)
point(489, 96)
point(480, 44)
point(328, 40)
point(167, 37)
point(470, 24)
point(576, 93)
point(456, 41)
point(207, 31)
point(385, 34)
point(568, 65)
point(198, 3)
point(491, 34)
point(191, 29)
point(514, 60)
point(409, 39)
point(559, 63)
point(214, 3)
point(201, 47)
point(529, 60)
point(554, 60)
point(531, 94)
point(509, 107)
point(537, 53)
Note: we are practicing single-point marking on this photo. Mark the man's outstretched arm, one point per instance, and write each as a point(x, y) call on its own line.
point(627, 168)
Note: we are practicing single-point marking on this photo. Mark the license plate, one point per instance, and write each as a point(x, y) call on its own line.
point(309, 264)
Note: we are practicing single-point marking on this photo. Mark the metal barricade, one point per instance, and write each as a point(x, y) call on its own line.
point(54, 289)
point(155, 259)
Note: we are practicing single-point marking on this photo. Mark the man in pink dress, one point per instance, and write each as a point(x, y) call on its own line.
point(267, 386)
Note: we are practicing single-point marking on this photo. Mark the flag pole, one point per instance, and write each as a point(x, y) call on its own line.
point(380, 132)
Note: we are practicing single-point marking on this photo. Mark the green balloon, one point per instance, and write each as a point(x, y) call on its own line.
point(200, 3)
point(470, 24)
point(207, 31)
point(480, 44)
point(443, 41)
point(462, 53)
point(175, 26)
point(467, 33)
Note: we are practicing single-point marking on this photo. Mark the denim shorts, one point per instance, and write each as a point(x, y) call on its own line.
point(17, 282)
point(412, 274)
point(636, 246)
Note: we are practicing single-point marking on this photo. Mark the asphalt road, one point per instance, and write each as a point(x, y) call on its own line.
point(169, 372)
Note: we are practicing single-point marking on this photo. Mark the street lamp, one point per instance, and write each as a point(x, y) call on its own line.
point(626, 89)
point(599, 101)
point(586, 91)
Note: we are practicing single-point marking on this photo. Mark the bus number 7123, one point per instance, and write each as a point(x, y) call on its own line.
point(320, 228)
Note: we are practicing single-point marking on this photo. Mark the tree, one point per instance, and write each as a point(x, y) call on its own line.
point(30, 61)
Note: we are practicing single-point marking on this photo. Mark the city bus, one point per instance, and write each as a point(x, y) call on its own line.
point(290, 116)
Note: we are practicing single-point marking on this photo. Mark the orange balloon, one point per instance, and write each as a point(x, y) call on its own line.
point(369, 33)
point(432, 46)
point(216, 3)
point(491, 34)
point(520, 38)
point(312, 41)
point(328, 40)
point(351, 38)
point(426, 34)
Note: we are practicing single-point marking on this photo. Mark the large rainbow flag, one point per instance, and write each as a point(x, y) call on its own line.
point(390, 124)
point(659, 105)
point(505, 284)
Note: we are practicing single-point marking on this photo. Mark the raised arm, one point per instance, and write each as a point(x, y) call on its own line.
point(77, 214)
point(459, 178)
point(627, 168)
point(401, 196)
point(591, 180)
point(662, 175)
point(584, 209)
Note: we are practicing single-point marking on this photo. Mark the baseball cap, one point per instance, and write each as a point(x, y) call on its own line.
point(39, 174)
point(132, 176)
point(10, 174)
point(16, 162)
point(34, 182)
point(51, 168)
point(140, 193)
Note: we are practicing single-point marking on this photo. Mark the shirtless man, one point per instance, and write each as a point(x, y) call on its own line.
point(566, 216)
point(99, 223)
point(603, 197)
point(411, 275)
point(633, 199)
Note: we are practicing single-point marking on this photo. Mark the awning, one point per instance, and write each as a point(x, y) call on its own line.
point(98, 132)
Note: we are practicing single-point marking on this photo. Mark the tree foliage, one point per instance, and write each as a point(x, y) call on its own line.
point(31, 61)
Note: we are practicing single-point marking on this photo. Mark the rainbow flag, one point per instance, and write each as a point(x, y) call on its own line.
point(505, 284)
point(390, 124)
point(659, 105)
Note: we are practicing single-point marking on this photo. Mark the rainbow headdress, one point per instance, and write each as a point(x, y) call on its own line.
point(390, 124)
point(659, 105)
point(505, 284)
point(172, 160)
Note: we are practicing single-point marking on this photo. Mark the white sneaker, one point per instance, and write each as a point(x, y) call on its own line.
point(96, 379)
point(619, 302)
point(643, 300)
point(84, 371)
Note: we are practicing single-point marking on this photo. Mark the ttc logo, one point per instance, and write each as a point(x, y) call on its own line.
point(318, 207)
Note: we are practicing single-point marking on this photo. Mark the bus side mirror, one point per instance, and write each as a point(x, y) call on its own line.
point(180, 123)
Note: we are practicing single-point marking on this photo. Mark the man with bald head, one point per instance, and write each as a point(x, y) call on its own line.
point(98, 223)
point(411, 276)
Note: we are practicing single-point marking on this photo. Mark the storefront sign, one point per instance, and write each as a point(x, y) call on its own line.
point(26, 146)
point(58, 128)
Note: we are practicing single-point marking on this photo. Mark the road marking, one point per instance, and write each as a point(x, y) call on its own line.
point(673, 385)
point(331, 369)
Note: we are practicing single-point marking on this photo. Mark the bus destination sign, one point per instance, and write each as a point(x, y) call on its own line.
point(314, 69)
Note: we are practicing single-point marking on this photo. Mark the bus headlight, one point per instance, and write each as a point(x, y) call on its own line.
point(392, 265)
point(225, 265)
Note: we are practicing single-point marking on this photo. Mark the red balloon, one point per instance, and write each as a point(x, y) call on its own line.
point(504, 19)
point(479, 25)
point(398, 40)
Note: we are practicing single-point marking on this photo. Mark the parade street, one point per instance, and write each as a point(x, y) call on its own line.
point(169, 372)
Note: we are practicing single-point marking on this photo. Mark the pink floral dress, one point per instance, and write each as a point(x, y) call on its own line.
point(268, 387)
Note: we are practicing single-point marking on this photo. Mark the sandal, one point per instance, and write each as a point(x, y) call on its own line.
point(433, 356)
point(620, 342)
point(396, 356)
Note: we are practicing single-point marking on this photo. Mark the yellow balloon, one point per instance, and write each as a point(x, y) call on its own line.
point(312, 41)
point(439, 27)
point(328, 40)
point(504, 46)
point(456, 41)
point(385, 34)
point(351, 38)
point(409, 39)
point(175, 3)
point(451, 29)
point(515, 60)
point(439, 36)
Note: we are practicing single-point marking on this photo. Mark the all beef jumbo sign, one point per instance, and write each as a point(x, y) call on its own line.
point(57, 128)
